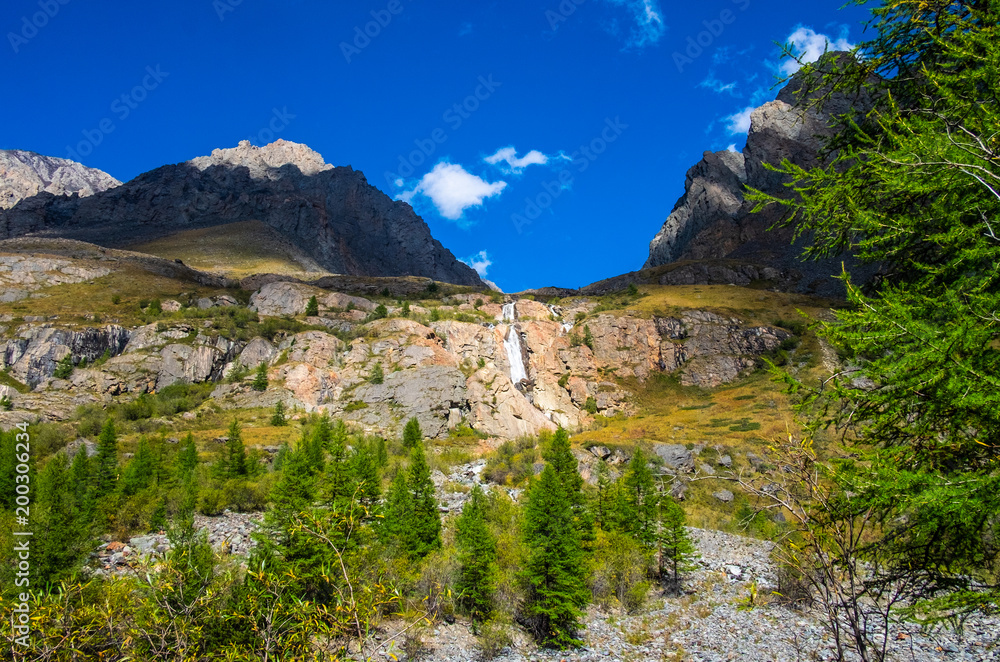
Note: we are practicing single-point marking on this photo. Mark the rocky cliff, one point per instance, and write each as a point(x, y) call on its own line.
point(24, 174)
point(713, 219)
point(332, 213)
point(449, 362)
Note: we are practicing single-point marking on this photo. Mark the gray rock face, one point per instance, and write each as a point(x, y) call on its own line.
point(24, 174)
point(32, 356)
point(713, 220)
point(332, 213)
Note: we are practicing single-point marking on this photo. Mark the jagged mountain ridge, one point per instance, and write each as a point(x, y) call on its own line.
point(24, 174)
point(713, 220)
point(347, 225)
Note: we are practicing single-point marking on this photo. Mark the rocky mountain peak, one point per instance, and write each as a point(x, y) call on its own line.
point(713, 220)
point(261, 161)
point(24, 174)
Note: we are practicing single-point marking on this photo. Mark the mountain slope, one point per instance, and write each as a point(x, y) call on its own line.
point(713, 220)
point(332, 213)
point(24, 174)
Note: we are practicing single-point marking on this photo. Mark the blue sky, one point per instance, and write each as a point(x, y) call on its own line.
point(544, 141)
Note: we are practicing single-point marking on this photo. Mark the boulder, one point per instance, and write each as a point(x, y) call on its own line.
point(675, 456)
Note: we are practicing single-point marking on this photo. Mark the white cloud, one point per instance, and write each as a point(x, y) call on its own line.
point(732, 148)
point(809, 45)
point(717, 86)
point(480, 261)
point(739, 123)
point(453, 190)
point(517, 165)
point(648, 16)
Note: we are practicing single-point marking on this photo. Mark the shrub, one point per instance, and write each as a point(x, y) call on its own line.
point(377, 375)
point(494, 636)
point(64, 369)
point(155, 307)
point(620, 567)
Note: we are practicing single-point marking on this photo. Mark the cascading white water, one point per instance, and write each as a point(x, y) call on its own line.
point(512, 343)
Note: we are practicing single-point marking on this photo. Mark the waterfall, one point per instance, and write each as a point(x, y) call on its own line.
point(512, 343)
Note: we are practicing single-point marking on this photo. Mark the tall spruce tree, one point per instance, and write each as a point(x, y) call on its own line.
point(395, 525)
point(424, 535)
point(234, 460)
point(106, 460)
point(641, 500)
point(554, 569)
point(62, 535)
point(558, 453)
point(477, 556)
point(140, 471)
point(677, 551)
point(187, 455)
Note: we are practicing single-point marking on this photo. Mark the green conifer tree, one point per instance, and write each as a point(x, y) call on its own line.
point(479, 572)
point(677, 551)
point(377, 375)
point(641, 500)
point(278, 417)
point(235, 463)
point(554, 568)
point(187, 455)
point(140, 470)
point(62, 536)
point(412, 434)
point(559, 454)
point(396, 523)
point(106, 471)
point(425, 521)
point(260, 378)
point(64, 369)
point(312, 307)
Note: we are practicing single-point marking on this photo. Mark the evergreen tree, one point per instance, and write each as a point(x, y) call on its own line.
point(62, 536)
point(80, 484)
point(478, 557)
point(396, 523)
point(911, 186)
point(140, 470)
point(295, 490)
point(554, 568)
point(641, 500)
point(8, 471)
point(560, 456)
point(64, 369)
point(278, 417)
point(364, 466)
point(377, 375)
point(322, 439)
point(425, 520)
point(677, 551)
point(106, 460)
point(260, 378)
point(187, 455)
point(312, 307)
point(339, 482)
point(234, 460)
point(412, 434)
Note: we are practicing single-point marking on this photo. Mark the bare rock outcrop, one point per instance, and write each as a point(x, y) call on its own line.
point(331, 213)
point(713, 220)
point(25, 174)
